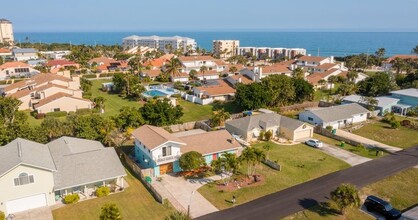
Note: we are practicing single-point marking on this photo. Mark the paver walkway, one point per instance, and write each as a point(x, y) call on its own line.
point(348, 157)
point(366, 141)
point(181, 192)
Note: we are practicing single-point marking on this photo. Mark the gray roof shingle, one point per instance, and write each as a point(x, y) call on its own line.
point(264, 120)
point(21, 151)
point(339, 112)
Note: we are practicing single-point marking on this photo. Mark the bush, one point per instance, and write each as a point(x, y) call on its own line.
point(56, 114)
point(261, 136)
point(85, 111)
point(90, 76)
point(102, 191)
point(329, 128)
point(395, 124)
point(406, 123)
point(2, 215)
point(71, 198)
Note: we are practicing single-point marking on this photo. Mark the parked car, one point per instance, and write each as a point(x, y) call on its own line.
point(314, 143)
point(379, 205)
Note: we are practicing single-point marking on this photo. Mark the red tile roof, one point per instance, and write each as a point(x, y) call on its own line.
point(402, 56)
point(276, 68)
point(13, 65)
point(326, 66)
point(4, 50)
point(152, 73)
point(222, 88)
point(37, 79)
point(61, 63)
point(311, 59)
point(193, 58)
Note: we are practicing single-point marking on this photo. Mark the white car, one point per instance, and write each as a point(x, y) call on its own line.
point(314, 143)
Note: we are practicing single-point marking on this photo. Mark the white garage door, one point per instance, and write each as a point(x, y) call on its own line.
point(303, 134)
point(26, 203)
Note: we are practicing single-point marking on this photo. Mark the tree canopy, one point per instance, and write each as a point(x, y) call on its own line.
point(161, 112)
point(191, 160)
point(377, 85)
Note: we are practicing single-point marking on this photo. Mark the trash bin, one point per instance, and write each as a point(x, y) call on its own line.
point(342, 144)
point(148, 179)
point(334, 131)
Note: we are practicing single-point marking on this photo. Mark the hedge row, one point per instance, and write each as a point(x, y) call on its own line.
point(90, 76)
point(56, 114)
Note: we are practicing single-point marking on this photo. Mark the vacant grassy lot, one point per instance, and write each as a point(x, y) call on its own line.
point(400, 190)
point(134, 203)
point(193, 111)
point(401, 137)
point(364, 152)
point(300, 164)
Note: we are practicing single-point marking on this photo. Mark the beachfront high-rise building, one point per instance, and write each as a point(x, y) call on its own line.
point(6, 31)
point(161, 43)
point(270, 53)
point(225, 48)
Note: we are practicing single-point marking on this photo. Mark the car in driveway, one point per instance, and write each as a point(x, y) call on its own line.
point(376, 204)
point(314, 143)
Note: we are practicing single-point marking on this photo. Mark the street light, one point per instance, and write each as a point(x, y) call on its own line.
point(188, 207)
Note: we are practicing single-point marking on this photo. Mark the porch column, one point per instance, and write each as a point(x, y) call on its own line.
point(104, 184)
point(121, 180)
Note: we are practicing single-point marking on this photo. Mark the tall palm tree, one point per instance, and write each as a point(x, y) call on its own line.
point(173, 67)
point(203, 69)
point(99, 103)
point(352, 75)
point(398, 64)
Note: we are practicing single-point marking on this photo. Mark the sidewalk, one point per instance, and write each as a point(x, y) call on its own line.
point(366, 141)
point(181, 192)
point(348, 157)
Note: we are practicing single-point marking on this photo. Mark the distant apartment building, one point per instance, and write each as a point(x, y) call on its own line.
point(161, 43)
point(55, 55)
point(225, 48)
point(24, 54)
point(271, 53)
point(6, 31)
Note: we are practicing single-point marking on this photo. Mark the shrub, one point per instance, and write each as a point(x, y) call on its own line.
point(71, 198)
point(105, 75)
point(85, 111)
point(110, 212)
point(395, 124)
point(176, 95)
point(102, 191)
point(329, 128)
point(90, 76)
point(261, 136)
point(2, 215)
point(268, 135)
point(361, 147)
point(56, 114)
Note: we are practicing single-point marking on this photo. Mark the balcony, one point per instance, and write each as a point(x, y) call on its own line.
point(166, 159)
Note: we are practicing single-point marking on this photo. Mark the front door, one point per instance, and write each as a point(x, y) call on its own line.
point(166, 168)
point(214, 156)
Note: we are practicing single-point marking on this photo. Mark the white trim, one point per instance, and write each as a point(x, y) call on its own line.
point(29, 165)
point(221, 151)
point(67, 187)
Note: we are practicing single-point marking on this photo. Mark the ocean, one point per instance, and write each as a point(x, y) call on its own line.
point(322, 43)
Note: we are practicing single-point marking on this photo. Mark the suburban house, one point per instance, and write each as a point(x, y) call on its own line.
point(182, 77)
point(34, 175)
point(58, 65)
point(211, 74)
point(387, 64)
point(216, 90)
point(309, 63)
point(259, 72)
point(249, 128)
point(158, 63)
point(399, 102)
point(5, 53)
point(195, 62)
point(104, 65)
point(316, 77)
point(40, 88)
point(55, 55)
point(16, 69)
point(234, 79)
point(335, 116)
point(24, 54)
point(152, 74)
point(159, 150)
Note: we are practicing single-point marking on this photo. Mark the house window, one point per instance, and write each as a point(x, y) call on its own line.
point(310, 119)
point(166, 151)
point(361, 115)
point(56, 109)
point(23, 179)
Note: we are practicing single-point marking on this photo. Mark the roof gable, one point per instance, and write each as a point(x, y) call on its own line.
point(339, 112)
point(153, 137)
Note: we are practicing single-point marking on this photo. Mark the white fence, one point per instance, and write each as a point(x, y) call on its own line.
point(195, 99)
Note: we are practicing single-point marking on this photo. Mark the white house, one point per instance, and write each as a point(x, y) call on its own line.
point(24, 54)
point(196, 62)
point(16, 69)
point(336, 116)
point(34, 175)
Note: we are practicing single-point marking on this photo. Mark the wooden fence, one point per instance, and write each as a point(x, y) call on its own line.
point(137, 172)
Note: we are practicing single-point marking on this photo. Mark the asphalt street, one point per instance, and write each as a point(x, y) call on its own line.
point(305, 195)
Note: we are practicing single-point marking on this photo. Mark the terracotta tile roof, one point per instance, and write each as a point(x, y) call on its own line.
point(315, 77)
point(193, 58)
point(222, 88)
point(36, 80)
point(276, 68)
point(13, 65)
point(209, 142)
point(99, 60)
point(152, 73)
point(402, 56)
point(50, 85)
point(4, 50)
point(326, 66)
point(244, 79)
point(56, 97)
point(61, 63)
point(287, 62)
point(20, 94)
point(181, 75)
point(152, 136)
point(343, 74)
point(220, 62)
point(208, 73)
point(311, 59)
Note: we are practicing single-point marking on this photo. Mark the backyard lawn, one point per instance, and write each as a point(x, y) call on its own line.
point(134, 203)
point(364, 152)
point(300, 163)
point(194, 112)
point(400, 190)
point(401, 137)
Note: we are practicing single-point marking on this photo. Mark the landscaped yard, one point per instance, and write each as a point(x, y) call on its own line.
point(400, 190)
point(300, 163)
point(364, 152)
point(134, 203)
point(193, 111)
point(401, 137)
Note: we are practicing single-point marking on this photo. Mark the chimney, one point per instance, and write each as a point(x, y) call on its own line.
point(331, 59)
point(292, 67)
point(19, 149)
point(240, 80)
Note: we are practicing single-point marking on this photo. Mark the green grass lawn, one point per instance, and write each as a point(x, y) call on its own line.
point(364, 152)
point(401, 137)
point(134, 203)
point(194, 112)
point(300, 164)
point(113, 102)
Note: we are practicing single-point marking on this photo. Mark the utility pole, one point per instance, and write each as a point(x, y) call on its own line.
point(367, 57)
point(188, 207)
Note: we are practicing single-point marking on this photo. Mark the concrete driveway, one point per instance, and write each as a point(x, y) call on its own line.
point(366, 141)
point(348, 157)
point(43, 213)
point(181, 192)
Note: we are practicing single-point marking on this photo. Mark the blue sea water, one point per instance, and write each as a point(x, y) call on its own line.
point(327, 43)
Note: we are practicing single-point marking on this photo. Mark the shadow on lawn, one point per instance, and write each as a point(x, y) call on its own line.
point(322, 209)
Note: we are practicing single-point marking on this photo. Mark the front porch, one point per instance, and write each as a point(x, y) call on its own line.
point(400, 109)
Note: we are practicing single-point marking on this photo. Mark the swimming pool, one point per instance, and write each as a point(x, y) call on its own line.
point(155, 93)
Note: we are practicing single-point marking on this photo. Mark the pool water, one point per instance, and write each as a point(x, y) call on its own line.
point(155, 93)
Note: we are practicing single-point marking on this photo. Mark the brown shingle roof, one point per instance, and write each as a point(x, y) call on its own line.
point(311, 59)
point(209, 142)
point(61, 63)
point(276, 68)
point(244, 79)
point(36, 80)
point(222, 88)
point(153, 137)
point(315, 77)
point(20, 94)
point(152, 73)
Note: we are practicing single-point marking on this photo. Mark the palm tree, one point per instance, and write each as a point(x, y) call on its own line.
point(352, 75)
point(249, 157)
point(398, 64)
point(415, 50)
point(203, 69)
point(260, 156)
point(346, 195)
point(193, 74)
point(298, 73)
point(173, 67)
point(219, 117)
point(233, 69)
point(267, 147)
point(332, 80)
point(99, 103)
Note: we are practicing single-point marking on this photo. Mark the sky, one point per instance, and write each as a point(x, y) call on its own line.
point(211, 15)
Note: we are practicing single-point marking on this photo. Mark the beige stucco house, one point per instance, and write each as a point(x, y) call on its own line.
point(249, 128)
point(62, 102)
point(34, 175)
